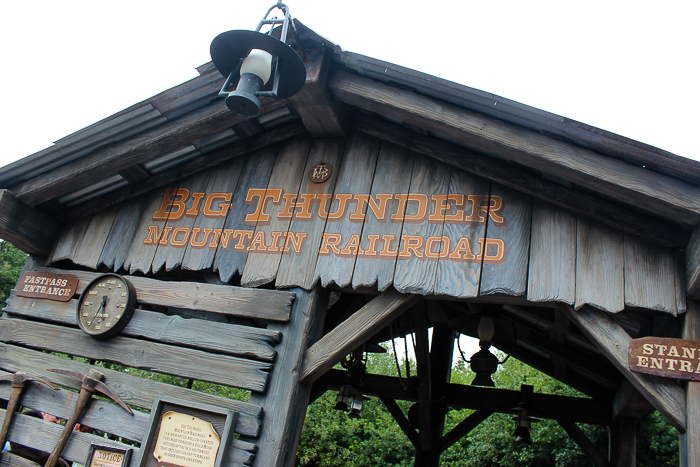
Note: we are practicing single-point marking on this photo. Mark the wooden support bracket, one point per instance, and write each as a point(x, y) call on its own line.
point(584, 443)
point(612, 340)
point(28, 229)
point(402, 420)
point(353, 332)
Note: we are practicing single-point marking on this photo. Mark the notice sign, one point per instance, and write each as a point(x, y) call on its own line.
point(107, 456)
point(35, 284)
point(186, 441)
point(670, 358)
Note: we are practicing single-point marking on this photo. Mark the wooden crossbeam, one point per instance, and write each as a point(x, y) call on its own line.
point(584, 443)
point(463, 428)
point(664, 394)
point(353, 332)
point(401, 420)
point(28, 229)
point(659, 194)
point(601, 210)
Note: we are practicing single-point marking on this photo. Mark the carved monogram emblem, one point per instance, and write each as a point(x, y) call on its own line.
point(320, 173)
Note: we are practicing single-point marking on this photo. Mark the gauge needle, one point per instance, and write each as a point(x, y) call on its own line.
point(101, 307)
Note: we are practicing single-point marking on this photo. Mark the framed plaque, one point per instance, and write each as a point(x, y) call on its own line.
point(107, 456)
point(181, 433)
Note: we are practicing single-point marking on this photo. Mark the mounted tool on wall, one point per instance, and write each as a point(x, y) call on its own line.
point(18, 380)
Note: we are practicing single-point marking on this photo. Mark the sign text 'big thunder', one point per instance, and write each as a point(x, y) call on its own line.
point(470, 210)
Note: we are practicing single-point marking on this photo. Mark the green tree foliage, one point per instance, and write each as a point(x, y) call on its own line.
point(11, 263)
point(332, 439)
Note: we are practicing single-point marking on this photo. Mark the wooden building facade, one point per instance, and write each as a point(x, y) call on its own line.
point(376, 203)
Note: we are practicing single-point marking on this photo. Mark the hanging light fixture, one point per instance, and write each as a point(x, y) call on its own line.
point(341, 402)
point(484, 363)
point(523, 421)
point(356, 406)
point(258, 64)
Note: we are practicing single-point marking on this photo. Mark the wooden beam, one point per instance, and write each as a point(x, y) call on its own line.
point(659, 194)
point(323, 116)
point(463, 428)
point(692, 265)
point(28, 229)
point(622, 450)
point(425, 389)
point(579, 409)
point(664, 394)
point(140, 148)
point(599, 209)
point(194, 166)
point(402, 421)
point(353, 332)
point(584, 443)
point(630, 403)
point(690, 440)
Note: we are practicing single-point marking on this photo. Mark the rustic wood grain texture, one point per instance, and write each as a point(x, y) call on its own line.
point(510, 276)
point(606, 211)
point(121, 235)
point(287, 175)
point(28, 229)
point(690, 440)
point(459, 277)
point(239, 341)
point(95, 238)
point(7, 459)
point(692, 265)
point(355, 176)
point(224, 179)
point(681, 302)
point(140, 255)
point(134, 390)
point(416, 274)
point(650, 276)
point(237, 301)
point(599, 266)
point(186, 363)
point(392, 175)
point(353, 332)
point(255, 175)
point(659, 194)
point(69, 240)
point(299, 269)
point(612, 340)
point(552, 274)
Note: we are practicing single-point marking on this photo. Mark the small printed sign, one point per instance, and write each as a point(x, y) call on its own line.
point(186, 441)
point(59, 287)
point(666, 357)
point(107, 456)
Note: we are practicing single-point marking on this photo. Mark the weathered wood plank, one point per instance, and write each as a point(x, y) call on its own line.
point(692, 265)
point(299, 268)
point(659, 194)
point(679, 261)
point(416, 265)
point(95, 237)
point(121, 235)
point(459, 277)
point(236, 301)
point(392, 175)
point(7, 459)
point(167, 255)
point(239, 341)
point(599, 267)
point(664, 394)
point(230, 258)
point(186, 363)
point(650, 273)
point(552, 274)
point(135, 391)
point(28, 229)
point(690, 440)
point(287, 174)
point(223, 180)
point(287, 399)
point(506, 250)
point(353, 332)
point(69, 240)
point(108, 161)
point(355, 176)
point(598, 209)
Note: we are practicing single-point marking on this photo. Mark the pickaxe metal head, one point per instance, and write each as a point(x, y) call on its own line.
point(19, 379)
point(93, 385)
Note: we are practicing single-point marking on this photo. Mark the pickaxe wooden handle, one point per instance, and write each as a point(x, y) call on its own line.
point(18, 380)
point(90, 385)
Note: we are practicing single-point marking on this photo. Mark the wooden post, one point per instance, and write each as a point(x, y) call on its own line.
point(690, 440)
point(622, 448)
point(284, 404)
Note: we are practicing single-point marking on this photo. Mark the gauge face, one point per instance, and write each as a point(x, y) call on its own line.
point(106, 306)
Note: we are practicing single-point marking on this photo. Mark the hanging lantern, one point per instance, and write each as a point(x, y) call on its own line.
point(484, 363)
point(343, 398)
point(356, 406)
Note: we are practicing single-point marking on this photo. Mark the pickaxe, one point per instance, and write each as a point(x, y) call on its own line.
point(90, 384)
point(18, 381)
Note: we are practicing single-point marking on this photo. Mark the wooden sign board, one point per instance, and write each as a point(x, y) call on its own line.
point(669, 358)
point(107, 456)
point(186, 434)
point(59, 287)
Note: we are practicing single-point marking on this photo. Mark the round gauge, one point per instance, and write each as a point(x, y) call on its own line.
point(106, 306)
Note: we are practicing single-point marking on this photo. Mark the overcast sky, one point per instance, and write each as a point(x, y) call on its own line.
point(627, 67)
